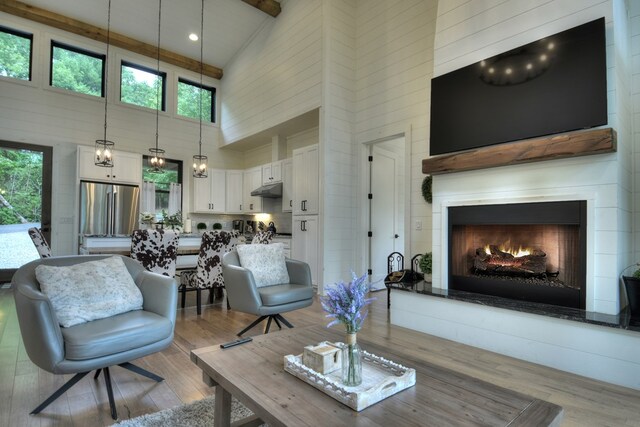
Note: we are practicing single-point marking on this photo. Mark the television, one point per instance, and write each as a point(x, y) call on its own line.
point(553, 85)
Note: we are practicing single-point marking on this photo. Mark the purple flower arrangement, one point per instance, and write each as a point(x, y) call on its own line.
point(344, 303)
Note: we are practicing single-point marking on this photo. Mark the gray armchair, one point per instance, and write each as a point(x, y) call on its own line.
point(98, 344)
point(270, 301)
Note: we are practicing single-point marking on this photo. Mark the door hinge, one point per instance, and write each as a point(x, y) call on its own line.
point(370, 195)
point(370, 234)
point(371, 158)
point(369, 272)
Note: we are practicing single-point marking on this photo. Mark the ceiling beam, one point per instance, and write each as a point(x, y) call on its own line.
point(75, 26)
point(270, 7)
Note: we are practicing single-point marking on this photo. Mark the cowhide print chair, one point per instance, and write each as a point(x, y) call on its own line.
point(156, 250)
point(262, 237)
point(40, 242)
point(208, 272)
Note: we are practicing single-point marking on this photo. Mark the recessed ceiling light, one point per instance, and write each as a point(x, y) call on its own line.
point(193, 37)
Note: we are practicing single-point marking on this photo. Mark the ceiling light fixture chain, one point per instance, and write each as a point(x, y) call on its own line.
point(200, 161)
point(103, 147)
point(157, 155)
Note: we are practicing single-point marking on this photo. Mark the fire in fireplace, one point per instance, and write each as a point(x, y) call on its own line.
point(528, 251)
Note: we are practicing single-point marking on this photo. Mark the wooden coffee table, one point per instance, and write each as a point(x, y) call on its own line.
point(253, 373)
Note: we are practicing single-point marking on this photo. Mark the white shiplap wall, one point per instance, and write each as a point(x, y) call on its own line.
point(32, 112)
point(339, 187)
point(278, 74)
point(394, 58)
point(468, 31)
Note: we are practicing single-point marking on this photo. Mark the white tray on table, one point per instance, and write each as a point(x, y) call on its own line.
point(381, 378)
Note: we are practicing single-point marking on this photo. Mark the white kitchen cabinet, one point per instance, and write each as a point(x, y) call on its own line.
point(127, 167)
point(209, 194)
point(304, 243)
point(287, 185)
point(272, 172)
point(306, 194)
point(235, 192)
point(251, 180)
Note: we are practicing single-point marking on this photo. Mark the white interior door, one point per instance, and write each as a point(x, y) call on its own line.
point(386, 213)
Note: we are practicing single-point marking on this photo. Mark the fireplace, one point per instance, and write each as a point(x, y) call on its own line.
point(527, 251)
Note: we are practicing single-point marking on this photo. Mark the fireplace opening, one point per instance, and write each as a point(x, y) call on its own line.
point(529, 251)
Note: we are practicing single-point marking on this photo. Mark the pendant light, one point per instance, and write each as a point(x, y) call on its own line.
point(104, 147)
point(157, 155)
point(199, 161)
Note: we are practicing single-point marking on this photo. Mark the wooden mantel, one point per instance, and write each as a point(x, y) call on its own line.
point(572, 144)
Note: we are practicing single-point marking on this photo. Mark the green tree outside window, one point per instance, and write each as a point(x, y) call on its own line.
point(76, 71)
point(15, 55)
point(189, 100)
point(139, 87)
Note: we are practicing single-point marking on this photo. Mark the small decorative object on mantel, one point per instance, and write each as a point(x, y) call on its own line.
point(324, 358)
point(345, 302)
point(632, 288)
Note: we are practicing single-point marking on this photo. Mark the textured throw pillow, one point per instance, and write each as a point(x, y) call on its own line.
point(266, 262)
point(90, 290)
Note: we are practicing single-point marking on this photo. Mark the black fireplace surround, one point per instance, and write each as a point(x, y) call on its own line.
point(556, 228)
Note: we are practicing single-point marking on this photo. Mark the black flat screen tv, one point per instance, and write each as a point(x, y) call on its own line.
point(553, 85)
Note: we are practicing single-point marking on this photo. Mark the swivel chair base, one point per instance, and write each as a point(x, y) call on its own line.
point(275, 317)
point(107, 379)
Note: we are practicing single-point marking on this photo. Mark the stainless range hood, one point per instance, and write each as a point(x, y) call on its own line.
point(272, 191)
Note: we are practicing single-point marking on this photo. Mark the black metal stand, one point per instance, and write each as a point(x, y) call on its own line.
point(107, 379)
point(277, 318)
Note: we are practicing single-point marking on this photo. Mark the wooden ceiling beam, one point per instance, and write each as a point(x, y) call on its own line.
point(270, 7)
point(81, 28)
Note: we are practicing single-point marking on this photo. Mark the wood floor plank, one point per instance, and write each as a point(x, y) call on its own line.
point(586, 402)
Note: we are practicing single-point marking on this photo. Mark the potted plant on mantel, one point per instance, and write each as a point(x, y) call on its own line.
point(632, 288)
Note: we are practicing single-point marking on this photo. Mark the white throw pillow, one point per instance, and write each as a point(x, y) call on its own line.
point(90, 290)
point(266, 262)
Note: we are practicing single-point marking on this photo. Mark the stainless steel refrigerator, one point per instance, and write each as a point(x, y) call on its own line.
point(108, 209)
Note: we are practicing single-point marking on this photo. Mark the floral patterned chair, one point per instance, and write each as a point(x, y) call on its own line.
point(156, 250)
point(40, 242)
point(262, 237)
point(208, 272)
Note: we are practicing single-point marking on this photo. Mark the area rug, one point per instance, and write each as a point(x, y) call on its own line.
point(195, 414)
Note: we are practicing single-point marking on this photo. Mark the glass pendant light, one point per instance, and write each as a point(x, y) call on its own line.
point(156, 159)
point(200, 165)
point(104, 147)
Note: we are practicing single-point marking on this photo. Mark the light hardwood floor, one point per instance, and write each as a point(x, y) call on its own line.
point(23, 386)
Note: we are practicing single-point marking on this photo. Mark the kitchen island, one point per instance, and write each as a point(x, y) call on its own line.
point(188, 246)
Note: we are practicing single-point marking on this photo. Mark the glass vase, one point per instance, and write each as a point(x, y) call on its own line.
point(351, 362)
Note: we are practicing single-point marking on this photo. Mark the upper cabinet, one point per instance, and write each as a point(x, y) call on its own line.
point(235, 192)
point(306, 190)
point(272, 172)
point(287, 185)
point(252, 179)
point(209, 194)
point(127, 167)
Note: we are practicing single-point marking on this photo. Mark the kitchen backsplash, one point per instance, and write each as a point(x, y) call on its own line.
point(282, 220)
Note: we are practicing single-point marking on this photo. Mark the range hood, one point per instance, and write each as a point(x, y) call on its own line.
point(272, 191)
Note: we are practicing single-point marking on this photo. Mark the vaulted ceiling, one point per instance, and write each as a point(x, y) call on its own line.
point(228, 24)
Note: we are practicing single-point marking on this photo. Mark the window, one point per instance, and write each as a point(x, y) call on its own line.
point(189, 101)
point(172, 174)
point(76, 69)
point(138, 86)
point(15, 54)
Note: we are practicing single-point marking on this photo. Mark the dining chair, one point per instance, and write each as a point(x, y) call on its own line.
point(40, 242)
point(156, 250)
point(208, 271)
